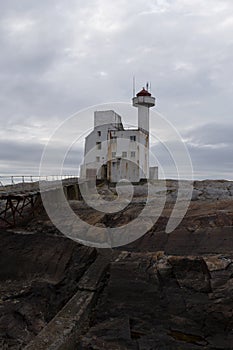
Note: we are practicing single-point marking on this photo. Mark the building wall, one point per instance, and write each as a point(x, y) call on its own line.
point(143, 118)
point(144, 155)
point(154, 173)
point(96, 155)
point(129, 167)
point(123, 165)
point(121, 169)
point(124, 152)
point(107, 117)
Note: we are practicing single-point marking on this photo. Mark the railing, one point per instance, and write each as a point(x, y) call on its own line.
point(6, 180)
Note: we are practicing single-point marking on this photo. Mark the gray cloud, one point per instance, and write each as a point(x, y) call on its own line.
point(210, 147)
point(211, 135)
point(58, 57)
point(24, 158)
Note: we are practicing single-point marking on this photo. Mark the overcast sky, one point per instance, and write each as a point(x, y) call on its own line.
point(58, 57)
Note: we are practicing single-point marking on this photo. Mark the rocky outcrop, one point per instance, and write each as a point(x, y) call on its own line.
point(153, 301)
point(206, 228)
point(163, 291)
point(202, 190)
point(145, 300)
point(38, 274)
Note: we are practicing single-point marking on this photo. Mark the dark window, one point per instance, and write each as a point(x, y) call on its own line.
point(98, 145)
point(133, 154)
point(132, 138)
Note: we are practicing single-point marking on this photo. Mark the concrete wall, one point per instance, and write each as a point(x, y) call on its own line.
point(131, 168)
point(106, 117)
point(96, 156)
point(114, 141)
point(153, 173)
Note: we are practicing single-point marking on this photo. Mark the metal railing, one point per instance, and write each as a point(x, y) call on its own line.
point(6, 180)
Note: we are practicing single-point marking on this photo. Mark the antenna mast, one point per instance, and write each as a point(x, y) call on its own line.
point(133, 86)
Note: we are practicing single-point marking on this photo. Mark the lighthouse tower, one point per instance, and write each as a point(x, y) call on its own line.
point(143, 101)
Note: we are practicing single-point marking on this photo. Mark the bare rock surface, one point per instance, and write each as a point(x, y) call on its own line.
point(38, 274)
point(163, 291)
point(154, 301)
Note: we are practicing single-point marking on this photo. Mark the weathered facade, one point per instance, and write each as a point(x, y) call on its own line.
point(114, 153)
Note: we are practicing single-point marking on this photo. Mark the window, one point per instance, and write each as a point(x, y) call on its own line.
point(98, 145)
point(113, 164)
point(99, 133)
point(97, 159)
point(124, 154)
point(132, 138)
point(113, 154)
point(132, 154)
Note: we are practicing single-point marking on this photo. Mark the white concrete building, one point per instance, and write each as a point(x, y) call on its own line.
point(114, 153)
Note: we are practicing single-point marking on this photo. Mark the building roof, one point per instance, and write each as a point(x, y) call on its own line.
point(143, 92)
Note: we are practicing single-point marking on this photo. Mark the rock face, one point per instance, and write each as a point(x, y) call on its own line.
point(203, 190)
point(153, 301)
point(38, 274)
point(163, 291)
point(206, 228)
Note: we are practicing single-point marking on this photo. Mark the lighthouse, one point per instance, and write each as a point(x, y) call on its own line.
point(114, 153)
point(143, 101)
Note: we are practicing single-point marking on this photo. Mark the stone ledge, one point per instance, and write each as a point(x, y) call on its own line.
point(61, 332)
